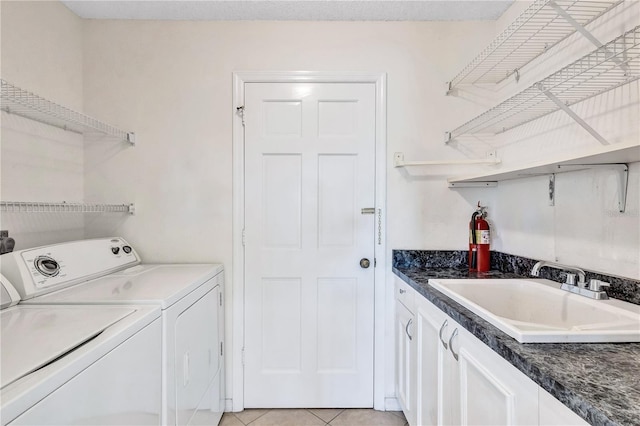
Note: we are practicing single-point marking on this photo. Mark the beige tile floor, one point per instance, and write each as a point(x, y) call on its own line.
point(314, 417)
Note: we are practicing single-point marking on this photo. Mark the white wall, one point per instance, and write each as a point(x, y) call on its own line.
point(41, 51)
point(171, 83)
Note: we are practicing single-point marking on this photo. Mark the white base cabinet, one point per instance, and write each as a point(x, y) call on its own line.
point(431, 373)
point(405, 351)
point(446, 376)
point(554, 413)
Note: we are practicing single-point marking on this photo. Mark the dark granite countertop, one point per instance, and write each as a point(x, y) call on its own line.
point(600, 382)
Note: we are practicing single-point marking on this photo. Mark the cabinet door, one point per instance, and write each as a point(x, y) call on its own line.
point(490, 390)
point(431, 353)
point(196, 354)
point(405, 362)
point(554, 413)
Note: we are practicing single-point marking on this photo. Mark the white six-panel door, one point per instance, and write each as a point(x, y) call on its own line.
point(309, 172)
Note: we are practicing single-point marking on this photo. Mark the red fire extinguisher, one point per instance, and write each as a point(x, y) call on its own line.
point(479, 241)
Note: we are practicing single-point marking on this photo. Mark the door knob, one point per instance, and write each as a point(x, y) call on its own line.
point(364, 263)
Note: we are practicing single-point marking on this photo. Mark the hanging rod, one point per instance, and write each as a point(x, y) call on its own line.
point(541, 26)
point(23, 103)
point(398, 161)
point(592, 75)
point(64, 207)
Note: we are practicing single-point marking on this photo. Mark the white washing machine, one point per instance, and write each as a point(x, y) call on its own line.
point(68, 365)
point(107, 271)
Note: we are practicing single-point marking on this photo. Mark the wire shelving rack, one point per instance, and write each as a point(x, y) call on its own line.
point(63, 207)
point(541, 26)
point(24, 103)
point(610, 66)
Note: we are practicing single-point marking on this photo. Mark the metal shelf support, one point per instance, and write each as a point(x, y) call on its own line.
point(621, 169)
point(572, 114)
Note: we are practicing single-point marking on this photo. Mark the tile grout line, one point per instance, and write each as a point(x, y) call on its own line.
point(324, 422)
point(263, 414)
point(240, 420)
point(318, 417)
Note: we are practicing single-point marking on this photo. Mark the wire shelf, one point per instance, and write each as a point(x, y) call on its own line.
point(613, 65)
point(532, 33)
point(63, 207)
point(15, 100)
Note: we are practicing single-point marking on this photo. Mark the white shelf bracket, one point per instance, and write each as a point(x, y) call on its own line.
point(398, 161)
point(132, 209)
point(131, 138)
point(572, 114)
point(623, 177)
point(585, 33)
point(486, 184)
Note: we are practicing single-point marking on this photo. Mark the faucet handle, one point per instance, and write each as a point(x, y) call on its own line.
point(597, 285)
point(571, 278)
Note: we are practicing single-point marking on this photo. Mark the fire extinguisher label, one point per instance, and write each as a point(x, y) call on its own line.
point(482, 237)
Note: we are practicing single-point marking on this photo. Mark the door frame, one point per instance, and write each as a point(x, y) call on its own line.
point(238, 264)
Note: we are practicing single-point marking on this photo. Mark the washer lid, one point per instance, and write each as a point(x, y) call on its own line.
point(32, 337)
point(8, 294)
point(161, 285)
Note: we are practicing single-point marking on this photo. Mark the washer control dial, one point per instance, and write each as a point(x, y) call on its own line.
point(47, 266)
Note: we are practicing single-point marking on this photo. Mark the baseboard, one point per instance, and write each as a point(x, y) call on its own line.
point(392, 404)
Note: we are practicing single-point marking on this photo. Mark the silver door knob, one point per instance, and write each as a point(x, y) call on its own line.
point(364, 263)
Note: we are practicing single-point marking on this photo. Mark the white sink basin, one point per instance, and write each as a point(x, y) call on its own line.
point(537, 311)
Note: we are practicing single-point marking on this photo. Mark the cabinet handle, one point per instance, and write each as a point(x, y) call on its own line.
point(454, 334)
point(402, 291)
point(406, 329)
point(444, 325)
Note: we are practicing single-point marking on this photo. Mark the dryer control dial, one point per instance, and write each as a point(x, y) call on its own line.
point(47, 266)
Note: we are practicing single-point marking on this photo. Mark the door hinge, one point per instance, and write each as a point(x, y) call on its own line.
point(221, 349)
point(242, 353)
point(375, 262)
point(243, 238)
point(240, 112)
point(220, 294)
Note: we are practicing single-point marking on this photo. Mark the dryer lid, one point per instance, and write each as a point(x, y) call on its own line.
point(34, 336)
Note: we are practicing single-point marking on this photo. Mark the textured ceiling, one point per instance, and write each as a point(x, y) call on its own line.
point(284, 10)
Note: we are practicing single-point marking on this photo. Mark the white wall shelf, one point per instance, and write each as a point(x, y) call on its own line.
point(15, 100)
point(398, 161)
point(614, 157)
point(610, 66)
point(63, 207)
point(541, 26)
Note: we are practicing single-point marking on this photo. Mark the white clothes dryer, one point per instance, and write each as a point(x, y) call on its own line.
point(65, 365)
point(107, 271)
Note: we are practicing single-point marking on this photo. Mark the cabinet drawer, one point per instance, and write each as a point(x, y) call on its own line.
point(405, 294)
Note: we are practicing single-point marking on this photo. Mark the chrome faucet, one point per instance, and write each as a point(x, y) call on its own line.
point(593, 291)
point(571, 277)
